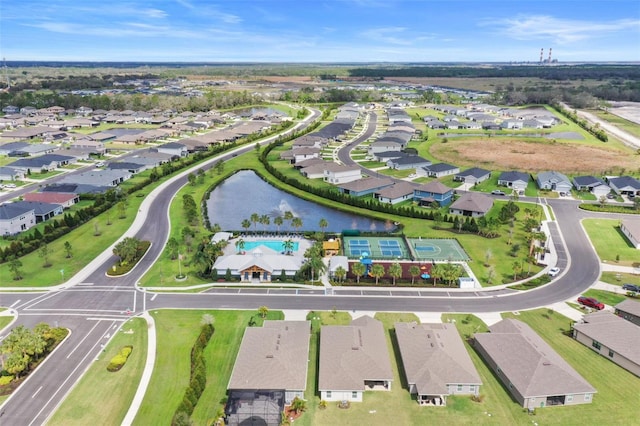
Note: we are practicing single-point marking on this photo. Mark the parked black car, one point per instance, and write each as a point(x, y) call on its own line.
point(631, 287)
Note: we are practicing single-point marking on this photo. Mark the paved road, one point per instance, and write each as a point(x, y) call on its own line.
point(95, 307)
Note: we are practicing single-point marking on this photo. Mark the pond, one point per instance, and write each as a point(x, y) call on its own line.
point(245, 193)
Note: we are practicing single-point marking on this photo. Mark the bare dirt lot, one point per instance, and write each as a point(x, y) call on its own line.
point(509, 154)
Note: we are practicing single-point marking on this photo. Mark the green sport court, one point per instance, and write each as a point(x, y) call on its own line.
point(437, 249)
point(376, 247)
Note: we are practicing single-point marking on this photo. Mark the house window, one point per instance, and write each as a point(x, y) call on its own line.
point(610, 353)
point(596, 344)
point(459, 388)
point(328, 394)
point(499, 370)
point(472, 388)
point(569, 398)
point(354, 394)
point(587, 397)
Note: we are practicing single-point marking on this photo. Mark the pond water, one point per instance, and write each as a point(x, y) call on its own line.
point(245, 193)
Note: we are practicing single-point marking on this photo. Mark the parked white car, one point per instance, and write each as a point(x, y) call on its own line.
point(554, 271)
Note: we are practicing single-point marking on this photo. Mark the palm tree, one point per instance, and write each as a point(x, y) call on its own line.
point(288, 216)
point(287, 246)
point(358, 270)
point(298, 405)
point(277, 221)
point(246, 224)
point(340, 273)
point(265, 221)
point(377, 271)
point(414, 270)
point(172, 248)
point(395, 270)
point(517, 268)
point(437, 272)
point(323, 224)
point(255, 218)
point(240, 245)
point(296, 222)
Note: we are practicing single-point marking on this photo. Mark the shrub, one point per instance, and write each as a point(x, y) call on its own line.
point(5, 380)
point(118, 361)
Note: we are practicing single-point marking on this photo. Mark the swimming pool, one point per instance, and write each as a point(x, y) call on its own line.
point(275, 245)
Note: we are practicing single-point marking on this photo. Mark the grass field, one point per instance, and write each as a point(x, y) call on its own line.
point(606, 297)
point(624, 124)
point(606, 237)
point(612, 278)
point(102, 397)
point(5, 320)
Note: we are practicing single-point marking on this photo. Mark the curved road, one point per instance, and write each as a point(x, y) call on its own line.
point(95, 307)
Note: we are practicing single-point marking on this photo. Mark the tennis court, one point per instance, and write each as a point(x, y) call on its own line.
point(438, 249)
point(376, 247)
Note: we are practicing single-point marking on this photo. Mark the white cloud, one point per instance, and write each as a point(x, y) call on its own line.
point(561, 31)
point(390, 35)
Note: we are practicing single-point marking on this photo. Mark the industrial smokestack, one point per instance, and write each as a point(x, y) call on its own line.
point(550, 55)
point(541, 55)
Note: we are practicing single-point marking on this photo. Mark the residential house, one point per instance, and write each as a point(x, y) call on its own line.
point(300, 154)
point(612, 337)
point(66, 200)
point(41, 211)
point(438, 170)
point(385, 156)
point(396, 193)
point(15, 218)
point(472, 176)
point(174, 149)
point(108, 178)
point(11, 174)
point(629, 310)
point(517, 181)
point(436, 124)
point(511, 124)
point(272, 360)
point(433, 192)
point(76, 188)
point(43, 163)
point(554, 181)
point(532, 371)
point(631, 229)
point(408, 162)
point(592, 184)
point(472, 204)
point(364, 186)
point(308, 163)
point(472, 125)
point(342, 174)
point(625, 185)
point(436, 363)
point(384, 146)
point(353, 359)
point(130, 166)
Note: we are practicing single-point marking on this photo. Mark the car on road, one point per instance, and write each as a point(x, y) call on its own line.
point(611, 196)
point(10, 185)
point(631, 287)
point(591, 302)
point(497, 192)
point(554, 271)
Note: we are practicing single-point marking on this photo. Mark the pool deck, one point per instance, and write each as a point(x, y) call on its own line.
point(303, 243)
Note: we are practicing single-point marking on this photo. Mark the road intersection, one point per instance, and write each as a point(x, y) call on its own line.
point(93, 306)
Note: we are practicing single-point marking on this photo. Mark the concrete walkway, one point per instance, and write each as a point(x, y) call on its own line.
point(146, 373)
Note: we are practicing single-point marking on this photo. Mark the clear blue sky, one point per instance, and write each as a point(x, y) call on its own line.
point(319, 30)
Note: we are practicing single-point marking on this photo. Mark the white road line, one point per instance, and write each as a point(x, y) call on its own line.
point(15, 303)
point(135, 298)
point(83, 339)
point(34, 395)
point(85, 284)
point(154, 297)
point(67, 379)
point(106, 319)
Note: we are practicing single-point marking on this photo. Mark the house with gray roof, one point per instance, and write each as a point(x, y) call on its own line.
point(554, 181)
point(341, 173)
point(591, 184)
point(10, 174)
point(612, 337)
point(433, 192)
point(396, 193)
point(517, 181)
point(274, 356)
point(631, 229)
point(353, 359)
point(438, 170)
point(625, 185)
point(42, 211)
point(130, 166)
point(16, 218)
point(472, 176)
point(535, 374)
point(629, 310)
point(408, 162)
point(98, 177)
point(364, 186)
point(385, 156)
point(43, 163)
point(472, 204)
point(384, 146)
point(173, 148)
point(75, 188)
point(436, 363)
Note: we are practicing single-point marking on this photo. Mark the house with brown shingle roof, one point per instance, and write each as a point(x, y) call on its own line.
point(396, 193)
point(65, 199)
point(612, 337)
point(436, 363)
point(353, 359)
point(471, 204)
point(535, 374)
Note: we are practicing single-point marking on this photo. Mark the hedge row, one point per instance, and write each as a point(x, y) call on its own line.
point(198, 377)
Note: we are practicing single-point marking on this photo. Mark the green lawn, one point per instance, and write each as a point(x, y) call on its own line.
point(620, 122)
point(102, 397)
point(620, 278)
point(606, 297)
point(606, 237)
point(618, 391)
point(5, 320)
point(176, 332)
